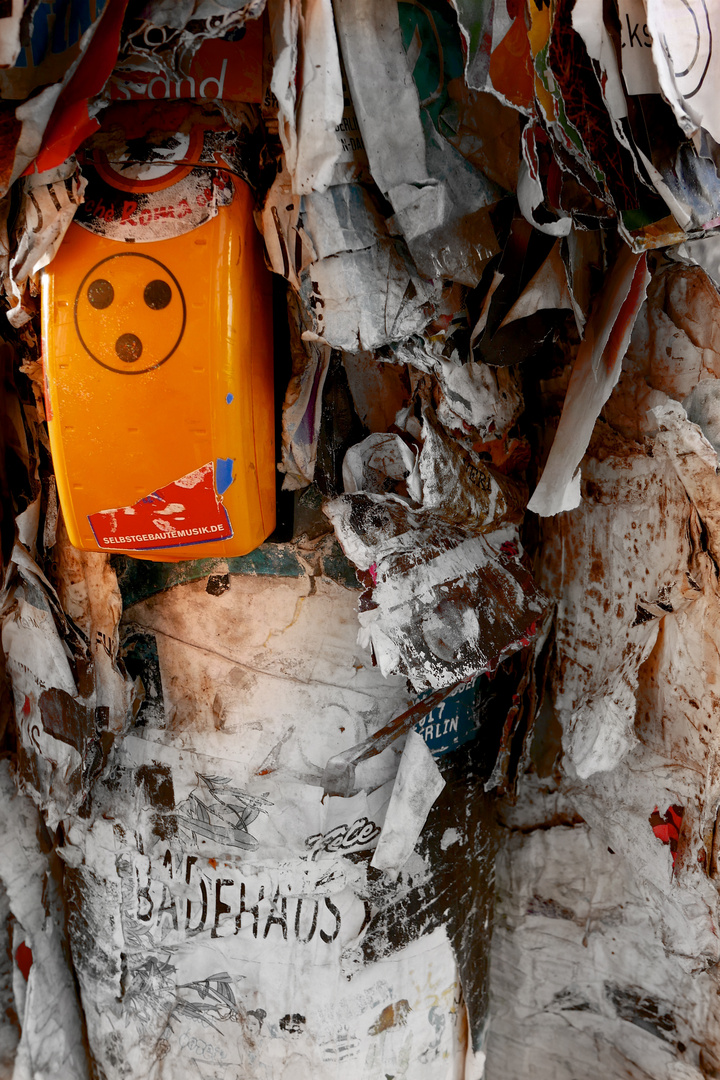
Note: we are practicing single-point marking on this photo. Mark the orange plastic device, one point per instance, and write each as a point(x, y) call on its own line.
point(159, 379)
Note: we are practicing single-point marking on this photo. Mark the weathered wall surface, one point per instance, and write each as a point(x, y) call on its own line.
point(426, 785)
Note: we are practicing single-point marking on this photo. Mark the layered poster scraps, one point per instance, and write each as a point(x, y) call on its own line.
point(249, 925)
point(491, 217)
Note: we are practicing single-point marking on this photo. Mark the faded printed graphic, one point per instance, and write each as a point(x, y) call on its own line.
point(222, 813)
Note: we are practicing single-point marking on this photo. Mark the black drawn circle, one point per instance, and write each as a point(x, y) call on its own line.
point(100, 293)
point(703, 42)
point(129, 348)
point(157, 295)
point(91, 276)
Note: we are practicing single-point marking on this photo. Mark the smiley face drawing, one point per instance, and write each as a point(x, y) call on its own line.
point(130, 313)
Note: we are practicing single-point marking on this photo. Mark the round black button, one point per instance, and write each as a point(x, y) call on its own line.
point(157, 295)
point(129, 348)
point(100, 293)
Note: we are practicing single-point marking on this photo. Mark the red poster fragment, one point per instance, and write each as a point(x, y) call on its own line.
point(187, 511)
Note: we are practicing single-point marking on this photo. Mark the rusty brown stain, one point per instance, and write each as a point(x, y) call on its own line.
point(596, 570)
point(66, 719)
point(394, 1015)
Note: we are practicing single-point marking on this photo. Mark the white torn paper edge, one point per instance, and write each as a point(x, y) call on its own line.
point(385, 97)
point(417, 786)
point(369, 464)
point(320, 103)
point(682, 44)
point(548, 288)
point(530, 194)
point(284, 23)
point(595, 372)
point(638, 69)
point(49, 202)
point(52, 1044)
point(10, 34)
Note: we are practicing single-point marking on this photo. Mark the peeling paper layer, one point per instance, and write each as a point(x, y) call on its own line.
point(595, 372)
point(239, 898)
point(445, 606)
point(417, 785)
point(52, 1043)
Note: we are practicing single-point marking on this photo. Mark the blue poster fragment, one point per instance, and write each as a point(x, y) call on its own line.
point(452, 722)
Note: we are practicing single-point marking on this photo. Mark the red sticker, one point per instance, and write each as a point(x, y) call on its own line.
point(667, 828)
point(188, 511)
point(24, 959)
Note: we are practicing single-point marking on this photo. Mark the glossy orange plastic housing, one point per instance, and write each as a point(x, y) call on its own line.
point(159, 384)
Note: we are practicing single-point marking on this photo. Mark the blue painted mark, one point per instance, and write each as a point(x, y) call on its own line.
point(452, 722)
point(223, 474)
point(229, 398)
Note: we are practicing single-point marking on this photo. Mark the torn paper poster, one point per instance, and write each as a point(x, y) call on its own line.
point(460, 241)
point(88, 590)
point(618, 563)
point(384, 94)
point(693, 456)
point(383, 463)
point(440, 200)
point(547, 289)
point(229, 916)
point(485, 131)
point(668, 689)
point(704, 252)
point(9, 1025)
point(458, 485)
point(675, 346)
point(10, 29)
point(583, 122)
point(417, 785)
point(523, 309)
point(74, 116)
point(531, 195)
point(679, 884)
point(302, 407)
point(478, 401)
point(359, 288)
point(52, 78)
point(601, 992)
point(52, 1036)
point(54, 745)
point(307, 83)
point(321, 99)
point(702, 406)
point(640, 77)
point(156, 172)
point(51, 48)
point(69, 697)
point(682, 49)
point(365, 299)
point(511, 66)
point(595, 372)
point(50, 201)
point(165, 36)
point(444, 605)
point(219, 69)
point(638, 66)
